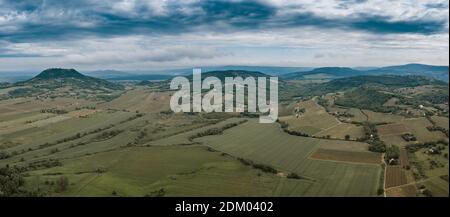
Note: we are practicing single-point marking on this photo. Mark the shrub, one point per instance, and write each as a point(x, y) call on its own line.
point(265, 168)
point(293, 176)
point(427, 193)
point(392, 152)
point(409, 137)
point(347, 137)
point(11, 182)
point(62, 184)
point(377, 146)
point(53, 151)
point(380, 191)
point(4, 155)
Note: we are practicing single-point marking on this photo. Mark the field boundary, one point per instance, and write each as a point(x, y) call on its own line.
point(339, 154)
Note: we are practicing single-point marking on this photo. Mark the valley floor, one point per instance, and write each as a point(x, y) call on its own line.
point(122, 148)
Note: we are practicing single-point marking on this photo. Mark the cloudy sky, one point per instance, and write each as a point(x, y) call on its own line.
point(157, 34)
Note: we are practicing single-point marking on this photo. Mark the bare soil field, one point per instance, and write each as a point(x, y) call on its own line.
point(378, 117)
point(402, 191)
point(395, 176)
point(418, 126)
point(404, 160)
point(389, 129)
point(394, 140)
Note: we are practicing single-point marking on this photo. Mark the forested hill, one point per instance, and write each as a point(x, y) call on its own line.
point(57, 77)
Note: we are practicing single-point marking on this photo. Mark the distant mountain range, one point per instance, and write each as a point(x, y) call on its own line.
point(231, 73)
point(325, 72)
point(270, 70)
point(328, 73)
point(167, 74)
point(115, 75)
point(107, 74)
point(437, 72)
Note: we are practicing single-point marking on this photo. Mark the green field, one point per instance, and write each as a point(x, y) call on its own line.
point(179, 171)
point(267, 144)
point(437, 186)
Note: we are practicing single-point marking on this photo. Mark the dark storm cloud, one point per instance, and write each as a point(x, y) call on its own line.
point(383, 25)
point(443, 5)
point(66, 20)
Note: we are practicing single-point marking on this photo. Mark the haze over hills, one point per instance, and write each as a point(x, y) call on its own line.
point(168, 73)
point(298, 73)
point(270, 70)
point(414, 67)
point(231, 73)
point(148, 77)
point(438, 72)
point(325, 72)
point(107, 74)
point(218, 74)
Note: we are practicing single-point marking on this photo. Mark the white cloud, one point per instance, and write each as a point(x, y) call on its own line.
point(203, 46)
